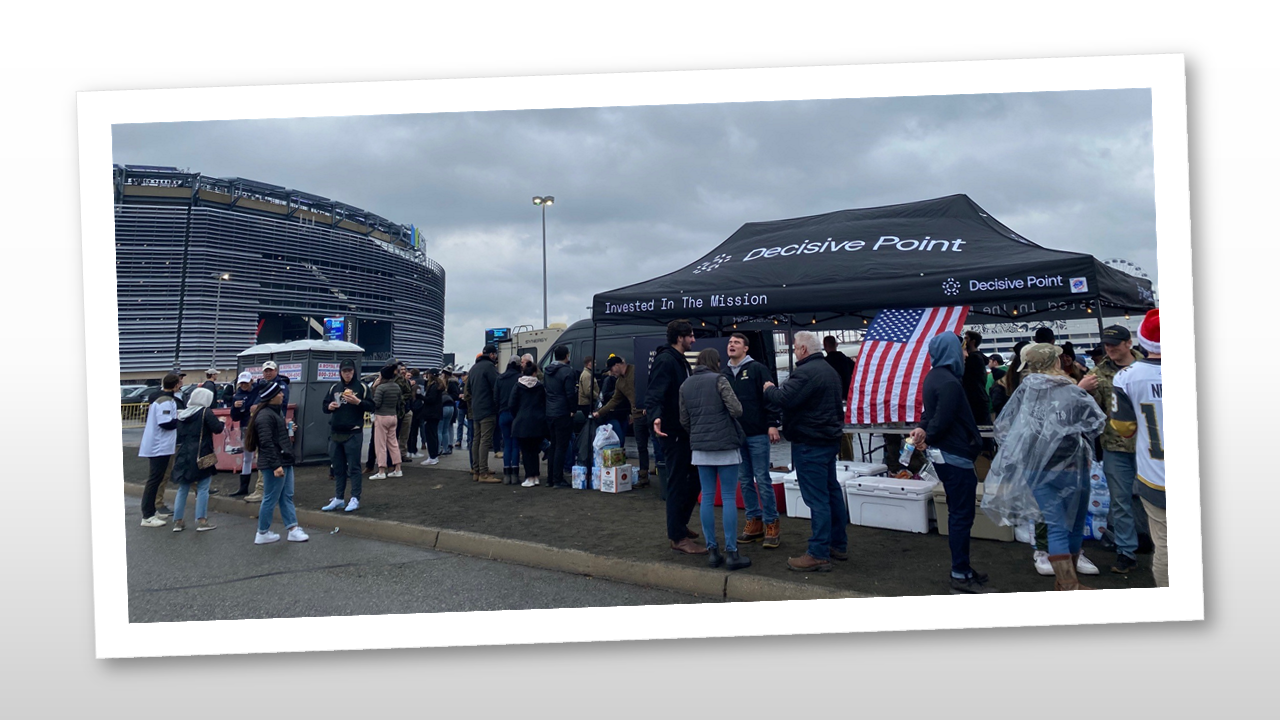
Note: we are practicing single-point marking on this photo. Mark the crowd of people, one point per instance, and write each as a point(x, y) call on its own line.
point(712, 424)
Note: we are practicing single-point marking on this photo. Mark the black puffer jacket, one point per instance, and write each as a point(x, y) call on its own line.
point(191, 445)
point(275, 448)
point(708, 407)
point(810, 400)
point(506, 384)
point(529, 406)
point(662, 399)
point(432, 409)
point(562, 390)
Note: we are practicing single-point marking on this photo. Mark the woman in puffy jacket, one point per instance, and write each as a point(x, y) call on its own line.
point(528, 407)
point(196, 428)
point(709, 409)
point(269, 435)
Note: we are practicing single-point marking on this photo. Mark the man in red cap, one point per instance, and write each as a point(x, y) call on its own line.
point(1138, 410)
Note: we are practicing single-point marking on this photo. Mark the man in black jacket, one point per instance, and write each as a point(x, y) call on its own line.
point(347, 402)
point(975, 382)
point(813, 420)
point(482, 399)
point(270, 376)
point(562, 401)
point(760, 425)
point(840, 362)
point(662, 405)
point(947, 425)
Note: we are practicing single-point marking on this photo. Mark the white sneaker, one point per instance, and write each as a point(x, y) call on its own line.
point(153, 521)
point(378, 476)
point(353, 505)
point(266, 537)
point(1043, 566)
point(528, 482)
point(430, 461)
point(1084, 566)
point(396, 473)
point(334, 504)
point(296, 535)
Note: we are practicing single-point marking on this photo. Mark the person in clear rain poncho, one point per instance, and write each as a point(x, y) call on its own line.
point(1041, 472)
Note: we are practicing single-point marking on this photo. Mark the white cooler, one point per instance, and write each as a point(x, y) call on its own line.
point(885, 502)
point(846, 473)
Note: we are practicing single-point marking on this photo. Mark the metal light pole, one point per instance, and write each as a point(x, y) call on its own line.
point(543, 202)
point(217, 310)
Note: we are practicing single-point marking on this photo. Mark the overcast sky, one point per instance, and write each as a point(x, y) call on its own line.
point(642, 191)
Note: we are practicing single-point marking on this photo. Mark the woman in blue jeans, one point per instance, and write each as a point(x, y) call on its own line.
point(197, 427)
point(447, 411)
point(709, 410)
point(269, 434)
point(1046, 435)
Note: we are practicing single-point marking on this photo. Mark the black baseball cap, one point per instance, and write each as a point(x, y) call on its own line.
point(348, 364)
point(488, 349)
point(1115, 334)
point(613, 360)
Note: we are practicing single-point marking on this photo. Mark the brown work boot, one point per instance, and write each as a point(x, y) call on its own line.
point(488, 478)
point(773, 534)
point(753, 531)
point(808, 563)
point(1064, 570)
point(688, 547)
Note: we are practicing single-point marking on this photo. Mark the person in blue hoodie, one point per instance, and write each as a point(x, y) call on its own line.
point(947, 424)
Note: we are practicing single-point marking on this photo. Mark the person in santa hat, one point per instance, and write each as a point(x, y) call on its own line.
point(1138, 412)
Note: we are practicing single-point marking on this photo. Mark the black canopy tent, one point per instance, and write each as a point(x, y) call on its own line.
point(824, 270)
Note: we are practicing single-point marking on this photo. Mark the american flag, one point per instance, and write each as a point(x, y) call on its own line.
point(893, 362)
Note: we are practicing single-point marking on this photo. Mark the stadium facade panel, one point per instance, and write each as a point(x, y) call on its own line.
point(293, 259)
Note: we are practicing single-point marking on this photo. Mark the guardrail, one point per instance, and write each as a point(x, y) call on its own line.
point(133, 415)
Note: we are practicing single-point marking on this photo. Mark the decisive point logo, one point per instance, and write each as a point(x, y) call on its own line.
point(951, 287)
point(712, 264)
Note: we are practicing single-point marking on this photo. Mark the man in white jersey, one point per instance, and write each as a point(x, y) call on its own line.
point(1138, 409)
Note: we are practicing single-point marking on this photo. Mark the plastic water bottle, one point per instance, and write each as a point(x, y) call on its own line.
point(908, 448)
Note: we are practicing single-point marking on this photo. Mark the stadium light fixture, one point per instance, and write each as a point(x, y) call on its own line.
point(217, 311)
point(543, 202)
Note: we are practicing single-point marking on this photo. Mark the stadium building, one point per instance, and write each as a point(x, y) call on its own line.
point(203, 261)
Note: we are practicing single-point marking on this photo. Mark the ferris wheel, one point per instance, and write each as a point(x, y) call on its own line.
point(1130, 268)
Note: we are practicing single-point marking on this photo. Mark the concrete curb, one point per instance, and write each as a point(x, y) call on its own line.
point(693, 581)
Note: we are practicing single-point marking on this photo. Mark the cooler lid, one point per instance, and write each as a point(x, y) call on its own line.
point(893, 486)
point(861, 468)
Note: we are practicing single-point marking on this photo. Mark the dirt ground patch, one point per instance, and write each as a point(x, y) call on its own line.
point(632, 525)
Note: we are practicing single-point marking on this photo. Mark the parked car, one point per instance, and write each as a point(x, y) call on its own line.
point(130, 394)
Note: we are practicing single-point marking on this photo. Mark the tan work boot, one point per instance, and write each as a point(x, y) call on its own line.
point(256, 495)
point(773, 534)
point(753, 531)
point(1064, 570)
point(488, 478)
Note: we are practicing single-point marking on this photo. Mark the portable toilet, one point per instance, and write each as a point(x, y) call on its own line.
point(312, 366)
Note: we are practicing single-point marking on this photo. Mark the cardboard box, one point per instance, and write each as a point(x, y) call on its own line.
point(613, 457)
point(983, 527)
point(616, 479)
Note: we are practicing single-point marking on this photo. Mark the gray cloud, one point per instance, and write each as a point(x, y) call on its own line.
point(641, 191)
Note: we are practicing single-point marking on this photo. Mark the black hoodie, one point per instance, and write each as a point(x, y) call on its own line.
point(662, 399)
